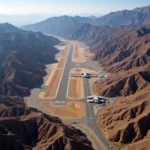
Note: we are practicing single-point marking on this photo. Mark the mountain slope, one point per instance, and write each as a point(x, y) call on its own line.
point(138, 17)
point(60, 25)
point(27, 128)
point(124, 54)
point(23, 56)
point(116, 48)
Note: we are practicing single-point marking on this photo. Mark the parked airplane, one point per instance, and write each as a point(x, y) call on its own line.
point(84, 75)
point(96, 99)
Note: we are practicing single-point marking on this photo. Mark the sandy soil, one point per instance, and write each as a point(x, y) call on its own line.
point(61, 63)
point(76, 88)
point(52, 66)
point(54, 78)
point(91, 83)
point(72, 110)
point(65, 52)
point(50, 93)
point(78, 54)
point(49, 78)
point(81, 70)
point(61, 47)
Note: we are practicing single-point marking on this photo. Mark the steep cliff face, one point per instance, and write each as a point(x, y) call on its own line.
point(127, 121)
point(23, 56)
point(27, 128)
point(124, 53)
point(60, 25)
point(123, 84)
point(116, 48)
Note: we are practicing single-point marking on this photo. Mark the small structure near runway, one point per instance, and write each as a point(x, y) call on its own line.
point(85, 75)
point(102, 76)
point(96, 99)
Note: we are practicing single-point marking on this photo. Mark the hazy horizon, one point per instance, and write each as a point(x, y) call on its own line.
point(32, 11)
point(61, 7)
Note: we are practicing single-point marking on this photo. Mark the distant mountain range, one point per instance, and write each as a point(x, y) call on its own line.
point(59, 25)
point(20, 20)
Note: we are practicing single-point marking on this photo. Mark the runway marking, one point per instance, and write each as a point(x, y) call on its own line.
point(72, 52)
point(69, 74)
point(60, 102)
point(68, 85)
point(62, 72)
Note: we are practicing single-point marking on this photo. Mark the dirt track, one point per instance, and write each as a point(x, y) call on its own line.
point(76, 88)
point(72, 110)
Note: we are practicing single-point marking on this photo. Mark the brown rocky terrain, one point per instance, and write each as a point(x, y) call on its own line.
point(124, 53)
point(127, 120)
point(123, 83)
point(27, 128)
point(128, 62)
point(23, 56)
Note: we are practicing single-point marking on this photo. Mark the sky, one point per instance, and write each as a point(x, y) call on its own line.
point(68, 7)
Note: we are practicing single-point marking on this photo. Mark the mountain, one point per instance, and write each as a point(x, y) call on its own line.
point(127, 121)
point(116, 48)
point(138, 17)
point(124, 54)
point(59, 25)
point(23, 56)
point(23, 128)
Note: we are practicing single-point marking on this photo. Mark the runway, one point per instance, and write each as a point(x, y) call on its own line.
point(89, 121)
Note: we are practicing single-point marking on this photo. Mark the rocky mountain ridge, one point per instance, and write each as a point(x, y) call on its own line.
point(27, 128)
point(23, 56)
point(60, 25)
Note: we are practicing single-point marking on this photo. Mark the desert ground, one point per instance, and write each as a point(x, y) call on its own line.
point(72, 110)
point(81, 70)
point(91, 83)
point(55, 76)
point(51, 92)
point(76, 88)
point(78, 54)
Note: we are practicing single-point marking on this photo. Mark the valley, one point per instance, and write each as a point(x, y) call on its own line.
point(72, 109)
point(76, 82)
